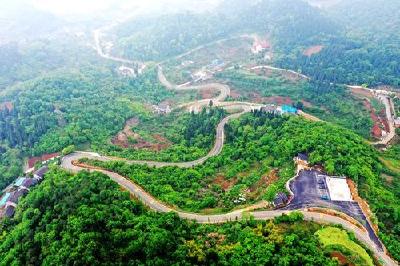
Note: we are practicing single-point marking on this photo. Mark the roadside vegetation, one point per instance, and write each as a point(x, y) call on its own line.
point(86, 219)
point(266, 142)
point(336, 239)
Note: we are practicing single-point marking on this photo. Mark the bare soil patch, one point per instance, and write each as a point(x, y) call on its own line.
point(279, 100)
point(341, 258)
point(379, 121)
point(361, 93)
point(388, 179)
point(363, 204)
point(142, 144)
point(33, 160)
point(126, 138)
point(266, 180)
point(316, 49)
point(208, 93)
point(225, 184)
point(306, 104)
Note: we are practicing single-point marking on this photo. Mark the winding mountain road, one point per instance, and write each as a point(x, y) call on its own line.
point(147, 199)
point(156, 205)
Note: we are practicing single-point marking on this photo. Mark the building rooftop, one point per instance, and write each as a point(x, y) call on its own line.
point(16, 195)
point(41, 171)
point(4, 199)
point(19, 181)
point(288, 109)
point(9, 211)
point(29, 182)
point(338, 188)
point(302, 156)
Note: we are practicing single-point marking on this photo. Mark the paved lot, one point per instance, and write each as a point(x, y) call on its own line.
point(307, 193)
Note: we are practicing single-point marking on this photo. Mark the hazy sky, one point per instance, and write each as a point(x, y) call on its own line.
point(79, 7)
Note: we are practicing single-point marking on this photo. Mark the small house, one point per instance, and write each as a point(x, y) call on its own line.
point(9, 211)
point(287, 109)
point(126, 71)
point(29, 182)
point(15, 196)
point(271, 109)
point(4, 199)
point(39, 174)
point(19, 181)
point(200, 76)
point(280, 200)
point(162, 109)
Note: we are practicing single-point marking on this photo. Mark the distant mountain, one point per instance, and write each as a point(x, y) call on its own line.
point(376, 18)
point(19, 20)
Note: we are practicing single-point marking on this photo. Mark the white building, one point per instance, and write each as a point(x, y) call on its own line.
point(126, 71)
point(338, 188)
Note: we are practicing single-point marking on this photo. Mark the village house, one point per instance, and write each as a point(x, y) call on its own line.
point(287, 109)
point(271, 109)
point(216, 65)
point(126, 72)
point(19, 188)
point(39, 174)
point(9, 211)
point(162, 109)
point(200, 76)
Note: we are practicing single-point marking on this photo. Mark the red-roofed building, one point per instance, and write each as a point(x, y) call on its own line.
point(32, 161)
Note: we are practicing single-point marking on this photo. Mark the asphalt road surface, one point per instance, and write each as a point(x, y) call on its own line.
point(153, 203)
point(158, 206)
point(307, 194)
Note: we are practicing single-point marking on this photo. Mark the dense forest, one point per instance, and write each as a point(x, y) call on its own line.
point(10, 165)
point(85, 219)
point(363, 51)
point(65, 108)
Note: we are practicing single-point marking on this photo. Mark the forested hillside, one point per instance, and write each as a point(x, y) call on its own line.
point(340, 151)
point(364, 51)
point(349, 54)
point(160, 38)
point(290, 22)
point(85, 219)
point(20, 18)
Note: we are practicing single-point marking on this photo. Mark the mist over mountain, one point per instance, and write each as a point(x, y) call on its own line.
point(22, 20)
